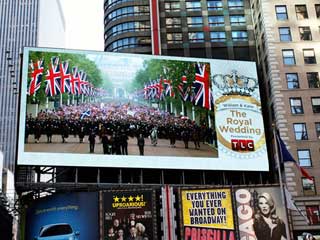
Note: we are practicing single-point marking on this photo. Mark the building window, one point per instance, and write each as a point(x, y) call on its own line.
point(281, 12)
point(129, 27)
point(305, 33)
point(125, 43)
point(235, 4)
point(239, 35)
point(128, 11)
point(288, 57)
point(300, 131)
point(173, 22)
point(285, 34)
point(215, 5)
point(194, 21)
point(193, 6)
point(292, 80)
point(216, 21)
point(317, 6)
point(218, 36)
point(301, 11)
point(174, 37)
point(317, 125)
point(236, 20)
point(304, 157)
point(172, 6)
point(111, 3)
point(309, 56)
point(315, 101)
point(296, 106)
point(196, 37)
point(308, 187)
point(313, 79)
point(313, 214)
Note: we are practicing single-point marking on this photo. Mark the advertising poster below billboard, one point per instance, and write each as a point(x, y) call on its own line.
point(207, 214)
point(64, 216)
point(81, 107)
point(129, 215)
point(260, 212)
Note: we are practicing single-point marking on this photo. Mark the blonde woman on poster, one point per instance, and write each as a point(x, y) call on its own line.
point(267, 225)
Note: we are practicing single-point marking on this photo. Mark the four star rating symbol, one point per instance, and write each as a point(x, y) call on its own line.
point(130, 198)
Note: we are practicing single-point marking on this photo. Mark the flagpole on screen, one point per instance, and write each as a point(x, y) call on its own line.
point(280, 180)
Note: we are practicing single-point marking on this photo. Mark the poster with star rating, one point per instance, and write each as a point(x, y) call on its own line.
point(128, 214)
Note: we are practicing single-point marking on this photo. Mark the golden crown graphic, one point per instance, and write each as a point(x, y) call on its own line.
point(234, 84)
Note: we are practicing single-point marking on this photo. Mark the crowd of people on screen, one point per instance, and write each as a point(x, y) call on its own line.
point(114, 124)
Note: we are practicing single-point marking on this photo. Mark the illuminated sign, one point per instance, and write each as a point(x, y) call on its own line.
point(97, 109)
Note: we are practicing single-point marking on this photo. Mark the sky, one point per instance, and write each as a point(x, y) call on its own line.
point(84, 24)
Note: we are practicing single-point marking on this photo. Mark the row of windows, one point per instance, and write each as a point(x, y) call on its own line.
point(111, 3)
point(293, 80)
point(288, 56)
point(195, 37)
point(297, 106)
point(128, 11)
point(214, 21)
point(128, 27)
point(131, 42)
point(301, 12)
point(196, 5)
point(304, 34)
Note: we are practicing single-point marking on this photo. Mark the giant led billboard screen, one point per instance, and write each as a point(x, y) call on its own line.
point(81, 108)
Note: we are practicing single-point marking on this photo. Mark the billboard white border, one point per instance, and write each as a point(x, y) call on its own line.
point(228, 162)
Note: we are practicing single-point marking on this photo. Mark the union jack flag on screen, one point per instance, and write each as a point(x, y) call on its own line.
point(159, 89)
point(202, 90)
point(53, 78)
point(83, 83)
point(36, 72)
point(146, 91)
point(152, 90)
point(74, 79)
point(65, 78)
point(168, 88)
point(185, 90)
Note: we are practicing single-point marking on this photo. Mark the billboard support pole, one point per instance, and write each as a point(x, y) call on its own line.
point(98, 175)
point(283, 196)
point(76, 176)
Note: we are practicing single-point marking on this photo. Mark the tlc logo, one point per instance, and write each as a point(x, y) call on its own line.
point(242, 145)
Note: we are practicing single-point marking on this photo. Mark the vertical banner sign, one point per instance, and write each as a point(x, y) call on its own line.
point(128, 215)
point(239, 121)
point(261, 214)
point(207, 214)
